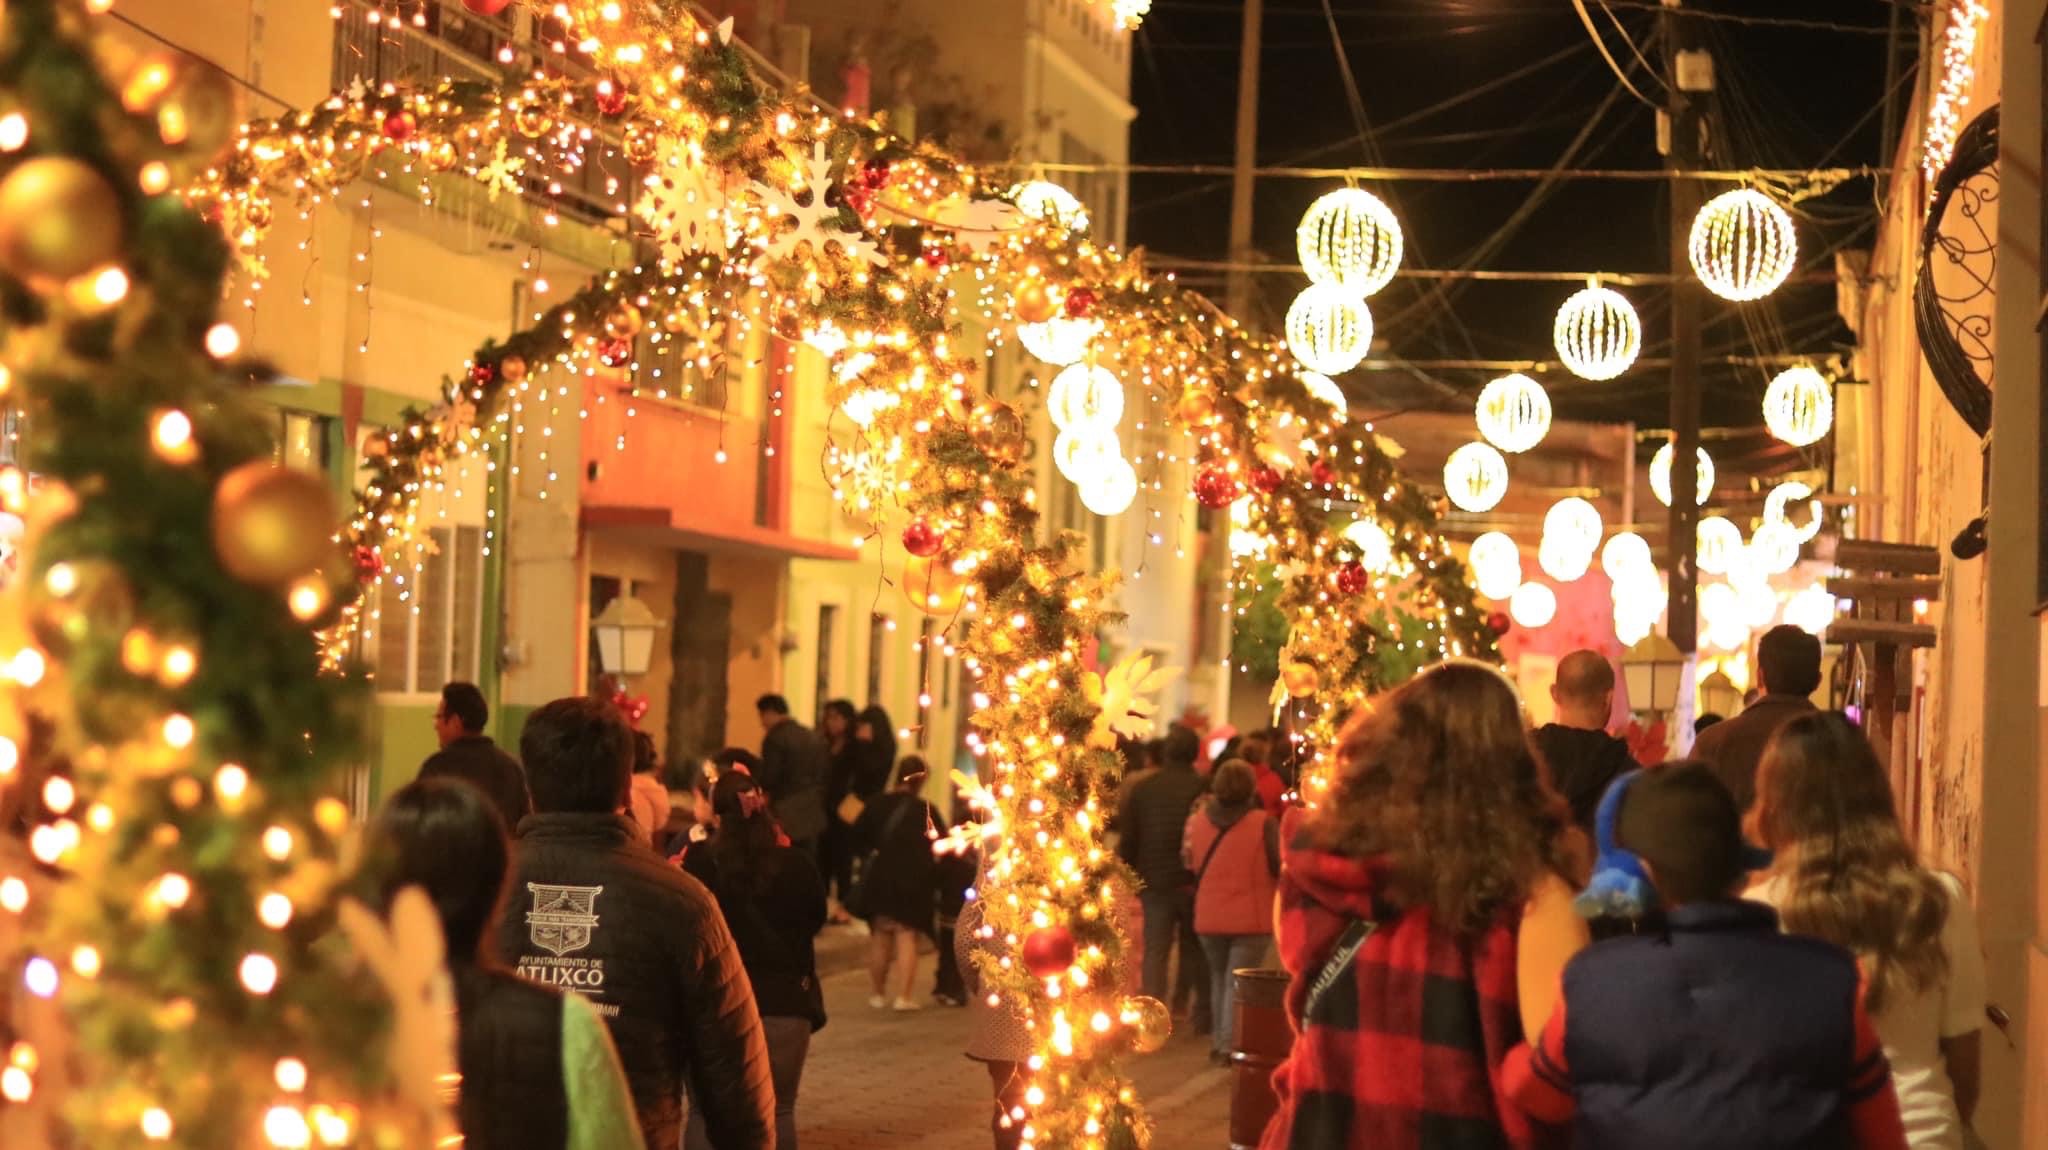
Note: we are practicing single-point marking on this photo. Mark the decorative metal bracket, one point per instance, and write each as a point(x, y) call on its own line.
point(1953, 317)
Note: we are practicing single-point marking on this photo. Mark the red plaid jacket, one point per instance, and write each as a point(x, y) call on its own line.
point(1406, 1053)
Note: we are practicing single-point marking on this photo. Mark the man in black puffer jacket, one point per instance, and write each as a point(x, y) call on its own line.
point(1150, 823)
point(593, 910)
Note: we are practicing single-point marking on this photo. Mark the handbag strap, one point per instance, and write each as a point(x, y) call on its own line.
point(1214, 844)
point(1338, 964)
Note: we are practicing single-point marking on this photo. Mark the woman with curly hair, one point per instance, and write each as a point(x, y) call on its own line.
point(1844, 872)
point(1425, 916)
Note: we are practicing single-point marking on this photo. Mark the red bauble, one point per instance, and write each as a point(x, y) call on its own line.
point(874, 175)
point(1267, 480)
point(923, 540)
point(1081, 303)
point(1322, 474)
point(616, 353)
point(936, 257)
point(1499, 623)
point(369, 562)
point(487, 7)
point(400, 125)
point(1048, 952)
point(611, 98)
point(1352, 578)
point(1216, 487)
point(483, 373)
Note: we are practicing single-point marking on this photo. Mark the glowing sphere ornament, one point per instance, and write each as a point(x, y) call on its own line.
point(1085, 454)
point(1301, 680)
point(923, 540)
point(1112, 490)
point(1799, 406)
point(1774, 548)
point(1327, 330)
point(1717, 545)
point(1574, 522)
point(1660, 475)
point(1476, 477)
point(1513, 413)
point(1324, 388)
point(933, 586)
point(1148, 1021)
point(1777, 506)
point(1811, 610)
point(1349, 239)
point(1085, 396)
point(1563, 559)
point(1626, 553)
point(1375, 546)
point(1496, 564)
point(1721, 606)
point(271, 524)
point(1597, 333)
point(1045, 200)
point(1743, 245)
point(1533, 605)
point(1059, 341)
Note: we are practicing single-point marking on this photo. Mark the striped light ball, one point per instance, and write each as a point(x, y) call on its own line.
point(1563, 559)
point(1774, 548)
point(1085, 454)
point(1045, 200)
point(1085, 396)
point(1743, 245)
point(1476, 477)
point(1533, 605)
point(1327, 330)
point(1375, 546)
point(1626, 553)
point(1514, 413)
point(1574, 522)
point(1349, 240)
point(1799, 406)
point(1111, 490)
point(1717, 545)
point(1323, 388)
point(1597, 333)
point(1496, 563)
point(1059, 341)
point(1660, 475)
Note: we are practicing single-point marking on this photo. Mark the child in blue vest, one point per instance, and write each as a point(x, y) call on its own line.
point(1715, 1032)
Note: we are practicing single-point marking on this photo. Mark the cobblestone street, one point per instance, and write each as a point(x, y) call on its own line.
point(880, 1080)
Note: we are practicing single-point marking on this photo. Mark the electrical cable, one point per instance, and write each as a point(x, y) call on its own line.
point(1619, 73)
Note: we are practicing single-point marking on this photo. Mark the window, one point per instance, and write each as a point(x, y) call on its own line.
point(879, 627)
point(302, 441)
point(430, 619)
point(828, 634)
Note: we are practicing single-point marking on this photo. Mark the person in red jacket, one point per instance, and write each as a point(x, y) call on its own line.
point(1257, 751)
point(1233, 847)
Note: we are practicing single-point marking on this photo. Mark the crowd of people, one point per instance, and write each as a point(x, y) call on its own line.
point(1496, 936)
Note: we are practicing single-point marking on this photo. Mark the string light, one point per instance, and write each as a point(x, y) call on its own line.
point(1743, 245)
point(1966, 19)
point(1799, 406)
point(1349, 240)
point(1513, 413)
point(1597, 333)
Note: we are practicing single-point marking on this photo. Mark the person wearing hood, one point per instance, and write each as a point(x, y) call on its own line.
point(1425, 919)
point(1583, 758)
point(1233, 847)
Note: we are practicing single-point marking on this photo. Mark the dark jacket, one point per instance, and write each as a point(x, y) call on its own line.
point(1735, 746)
point(773, 923)
point(1719, 1033)
point(592, 909)
point(1582, 764)
point(900, 879)
point(1153, 816)
point(795, 765)
point(477, 760)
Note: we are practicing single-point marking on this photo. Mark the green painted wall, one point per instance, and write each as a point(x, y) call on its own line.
point(404, 737)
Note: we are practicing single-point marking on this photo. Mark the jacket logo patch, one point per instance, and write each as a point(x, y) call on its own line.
point(562, 917)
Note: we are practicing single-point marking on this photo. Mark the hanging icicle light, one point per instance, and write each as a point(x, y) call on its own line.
point(1718, 544)
point(1045, 200)
point(1597, 333)
point(1349, 240)
point(1574, 522)
point(1777, 508)
point(1513, 413)
point(1327, 330)
point(1112, 489)
point(1626, 553)
point(1085, 396)
point(1496, 565)
point(1324, 388)
point(1533, 605)
point(1799, 406)
point(1059, 341)
point(1476, 477)
point(1743, 245)
point(1660, 475)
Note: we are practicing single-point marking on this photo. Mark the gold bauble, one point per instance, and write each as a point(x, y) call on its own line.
point(932, 585)
point(531, 120)
point(1196, 408)
point(512, 369)
point(199, 111)
point(1149, 1022)
point(1300, 679)
point(642, 146)
point(1032, 302)
point(443, 157)
point(1000, 431)
point(58, 219)
point(623, 321)
point(272, 525)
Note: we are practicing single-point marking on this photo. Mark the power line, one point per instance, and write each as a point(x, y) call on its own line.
point(1538, 364)
point(1620, 73)
point(1617, 279)
point(1760, 21)
point(1475, 175)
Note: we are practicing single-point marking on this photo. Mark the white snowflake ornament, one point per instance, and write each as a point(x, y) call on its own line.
point(981, 225)
point(813, 220)
point(502, 173)
point(683, 205)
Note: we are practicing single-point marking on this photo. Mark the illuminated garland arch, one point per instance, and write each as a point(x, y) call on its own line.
point(906, 219)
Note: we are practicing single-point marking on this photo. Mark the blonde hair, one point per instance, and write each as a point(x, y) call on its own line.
point(1825, 806)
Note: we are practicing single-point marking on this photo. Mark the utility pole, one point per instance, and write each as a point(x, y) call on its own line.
point(1690, 80)
point(1239, 296)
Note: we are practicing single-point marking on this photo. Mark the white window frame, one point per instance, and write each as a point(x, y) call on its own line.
point(436, 511)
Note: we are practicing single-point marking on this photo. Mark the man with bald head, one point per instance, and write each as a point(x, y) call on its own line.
point(1583, 757)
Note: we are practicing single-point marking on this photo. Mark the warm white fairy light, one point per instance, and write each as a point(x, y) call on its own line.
point(1660, 475)
point(1966, 19)
point(1349, 239)
point(1476, 477)
point(1799, 406)
point(1597, 333)
point(1327, 330)
point(1743, 245)
point(1513, 412)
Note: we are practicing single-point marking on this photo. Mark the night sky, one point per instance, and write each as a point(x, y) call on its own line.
point(1786, 97)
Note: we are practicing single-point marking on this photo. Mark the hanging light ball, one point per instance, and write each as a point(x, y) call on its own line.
point(1496, 565)
point(1045, 200)
point(1631, 628)
point(1778, 503)
point(1324, 388)
point(1476, 477)
point(1799, 406)
point(1112, 489)
point(1514, 413)
point(1562, 560)
point(1717, 545)
point(1084, 454)
point(1811, 610)
point(1327, 330)
point(1774, 548)
point(1085, 396)
point(1660, 475)
point(1624, 554)
point(1375, 546)
point(1597, 333)
point(1533, 605)
point(1720, 605)
point(1059, 341)
point(1575, 523)
point(1743, 245)
point(1349, 239)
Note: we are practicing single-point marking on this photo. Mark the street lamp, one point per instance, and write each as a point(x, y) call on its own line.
point(1718, 695)
point(1653, 668)
point(624, 631)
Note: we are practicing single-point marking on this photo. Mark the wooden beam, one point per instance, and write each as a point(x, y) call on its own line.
point(1875, 631)
point(1873, 558)
point(1862, 588)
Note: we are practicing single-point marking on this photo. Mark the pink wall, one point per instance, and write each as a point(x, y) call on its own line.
point(669, 462)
